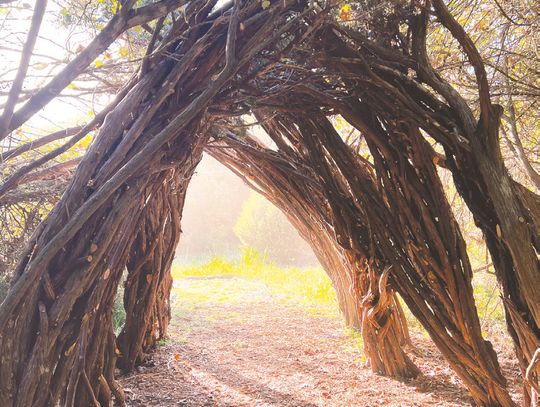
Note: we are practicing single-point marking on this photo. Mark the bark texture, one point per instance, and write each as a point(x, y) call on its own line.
point(379, 224)
point(404, 230)
point(56, 337)
point(148, 285)
point(365, 299)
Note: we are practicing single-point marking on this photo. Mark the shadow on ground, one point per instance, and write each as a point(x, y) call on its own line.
point(235, 343)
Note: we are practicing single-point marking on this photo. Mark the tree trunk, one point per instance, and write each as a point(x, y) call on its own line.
point(508, 215)
point(55, 329)
point(405, 228)
point(364, 299)
point(149, 281)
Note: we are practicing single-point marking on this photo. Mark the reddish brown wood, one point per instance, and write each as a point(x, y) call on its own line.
point(149, 281)
point(55, 323)
point(386, 219)
point(366, 301)
point(405, 229)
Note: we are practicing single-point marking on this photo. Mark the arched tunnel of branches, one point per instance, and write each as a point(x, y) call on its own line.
point(380, 226)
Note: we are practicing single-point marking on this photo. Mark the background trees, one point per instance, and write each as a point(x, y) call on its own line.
point(262, 226)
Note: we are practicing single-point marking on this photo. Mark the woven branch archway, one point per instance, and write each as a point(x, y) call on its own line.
point(291, 65)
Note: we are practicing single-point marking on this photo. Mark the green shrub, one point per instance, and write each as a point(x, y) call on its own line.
point(263, 227)
point(489, 304)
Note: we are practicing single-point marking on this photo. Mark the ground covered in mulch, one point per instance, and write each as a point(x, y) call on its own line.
point(236, 343)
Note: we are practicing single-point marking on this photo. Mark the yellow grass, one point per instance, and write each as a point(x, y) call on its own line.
point(306, 285)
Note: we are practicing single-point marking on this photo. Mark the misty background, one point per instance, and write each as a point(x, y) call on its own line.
point(222, 215)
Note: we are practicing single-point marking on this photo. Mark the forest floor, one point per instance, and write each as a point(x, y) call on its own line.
point(234, 342)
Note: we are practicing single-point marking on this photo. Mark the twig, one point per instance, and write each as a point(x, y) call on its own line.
point(121, 22)
point(28, 48)
point(32, 145)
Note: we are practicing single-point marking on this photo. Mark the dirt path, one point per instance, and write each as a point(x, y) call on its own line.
point(235, 343)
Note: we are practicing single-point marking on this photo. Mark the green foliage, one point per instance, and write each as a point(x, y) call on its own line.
point(310, 286)
point(17, 223)
point(263, 227)
point(489, 305)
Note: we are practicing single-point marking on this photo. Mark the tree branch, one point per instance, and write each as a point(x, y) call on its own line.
point(15, 178)
point(32, 145)
point(459, 33)
point(121, 22)
point(16, 87)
